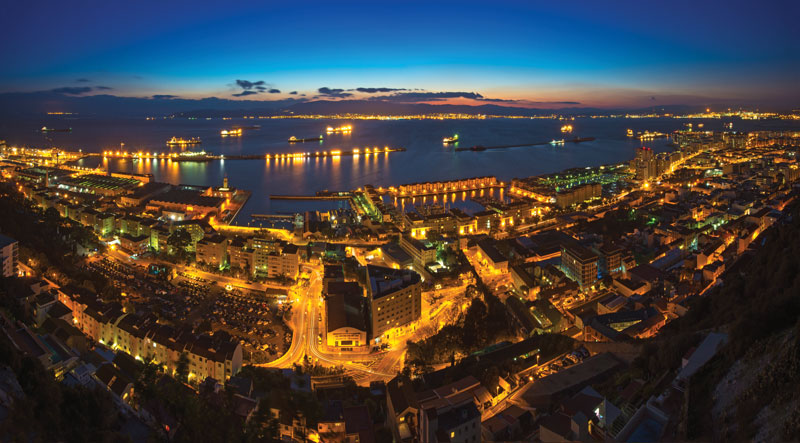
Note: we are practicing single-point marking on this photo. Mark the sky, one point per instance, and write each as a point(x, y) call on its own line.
point(527, 53)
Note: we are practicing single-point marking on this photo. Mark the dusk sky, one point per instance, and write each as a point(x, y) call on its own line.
point(538, 54)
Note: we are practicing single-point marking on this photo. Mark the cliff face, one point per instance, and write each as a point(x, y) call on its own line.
point(751, 390)
point(757, 397)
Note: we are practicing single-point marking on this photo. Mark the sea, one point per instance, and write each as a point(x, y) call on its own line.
point(425, 158)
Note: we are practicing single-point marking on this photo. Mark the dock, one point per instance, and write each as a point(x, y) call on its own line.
point(522, 145)
point(206, 157)
point(311, 197)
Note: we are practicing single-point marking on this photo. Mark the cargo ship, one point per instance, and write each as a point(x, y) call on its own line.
point(294, 139)
point(46, 129)
point(448, 140)
point(231, 132)
point(345, 128)
point(193, 156)
point(174, 141)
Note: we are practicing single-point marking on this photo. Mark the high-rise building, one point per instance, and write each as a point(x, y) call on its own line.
point(644, 164)
point(9, 254)
point(395, 298)
point(579, 264)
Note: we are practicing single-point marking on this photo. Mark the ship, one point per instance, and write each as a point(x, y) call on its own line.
point(174, 141)
point(448, 140)
point(345, 128)
point(193, 156)
point(566, 128)
point(557, 142)
point(478, 148)
point(294, 139)
point(231, 132)
point(248, 127)
point(647, 135)
point(581, 139)
point(46, 129)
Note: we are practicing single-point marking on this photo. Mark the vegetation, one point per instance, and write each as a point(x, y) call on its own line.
point(51, 411)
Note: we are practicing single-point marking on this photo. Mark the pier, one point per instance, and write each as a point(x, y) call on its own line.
point(521, 145)
point(442, 187)
point(310, 197)
point(205, 157)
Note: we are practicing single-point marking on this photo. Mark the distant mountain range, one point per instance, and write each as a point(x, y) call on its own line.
point(32, 104)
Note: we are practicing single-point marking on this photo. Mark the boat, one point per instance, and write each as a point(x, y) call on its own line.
point(231, 132)
point(345, 128)
point(294, 139)
point(557, 142)
point(174, 141)
point(630, 132)
point(46, 129)
point(566, 128)
point(193, 156)
point(448, 140)
point(647, 135)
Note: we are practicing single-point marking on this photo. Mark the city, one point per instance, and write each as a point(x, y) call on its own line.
point(435, 266)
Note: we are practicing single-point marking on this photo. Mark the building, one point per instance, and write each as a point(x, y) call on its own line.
point(421, 252)
point(345, 307)
point(579, 264)
point(578, 194)
point(212, 250)
point(183, 204)
point(395, 298)
point(98, 184)
point(491, 257)
point(9, 254)
point(134, 244)
point(273, 259)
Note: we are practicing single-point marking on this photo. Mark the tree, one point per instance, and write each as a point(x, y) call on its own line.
point(182, 368)
point(179, 241)
point(52, 215)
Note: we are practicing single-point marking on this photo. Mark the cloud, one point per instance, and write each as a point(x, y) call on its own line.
point(334, 92)
point(427, 96)
point(103, 88)
point(254, 87)
point(293, 93)
point(374, 90)
point(244, 84)
point(72, 90)
point(163, 96)
point(82, 80)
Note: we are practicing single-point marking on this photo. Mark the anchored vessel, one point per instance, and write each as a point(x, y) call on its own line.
point(345, 128)
point(448, 140)
point(231, 132)
point(46, 129)
point(174, 141)
point(294, 139)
